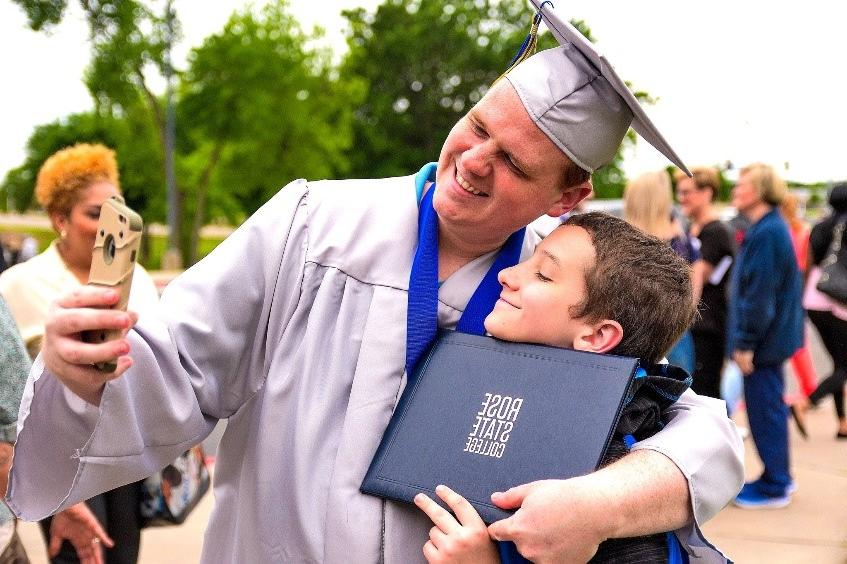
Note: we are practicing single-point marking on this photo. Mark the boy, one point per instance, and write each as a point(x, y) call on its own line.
point(594, 284)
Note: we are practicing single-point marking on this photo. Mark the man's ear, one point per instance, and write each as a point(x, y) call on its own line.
point(600, 337)
point(570, 198)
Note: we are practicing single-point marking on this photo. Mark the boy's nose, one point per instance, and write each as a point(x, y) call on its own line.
point(508, 278)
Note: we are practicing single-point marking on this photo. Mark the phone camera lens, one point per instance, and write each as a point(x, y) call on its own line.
point(109, 249)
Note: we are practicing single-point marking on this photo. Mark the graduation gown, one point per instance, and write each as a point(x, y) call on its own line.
point(293, 329)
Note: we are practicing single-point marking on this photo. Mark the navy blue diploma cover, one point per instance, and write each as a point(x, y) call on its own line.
point(482, 415)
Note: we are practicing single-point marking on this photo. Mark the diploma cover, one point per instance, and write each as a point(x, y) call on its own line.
point(482, 415)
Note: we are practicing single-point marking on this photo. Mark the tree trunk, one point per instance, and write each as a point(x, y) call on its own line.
point(200, 202)
point(159, 121)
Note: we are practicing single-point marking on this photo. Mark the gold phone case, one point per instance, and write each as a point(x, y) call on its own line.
point(113, 262)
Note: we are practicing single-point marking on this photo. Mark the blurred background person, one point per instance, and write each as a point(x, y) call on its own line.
point(648, 205)
point(710, 275)
point(14, 369)
point(765, 328)
point(801, 361)
point(72, 185)
point(16, 248)
point(828, 316)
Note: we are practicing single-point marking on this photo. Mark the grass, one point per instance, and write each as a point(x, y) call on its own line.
point(156, 245)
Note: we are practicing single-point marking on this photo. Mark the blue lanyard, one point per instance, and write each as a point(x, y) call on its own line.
point(422, 316)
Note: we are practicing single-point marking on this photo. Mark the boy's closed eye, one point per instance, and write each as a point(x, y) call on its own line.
point(542, 277)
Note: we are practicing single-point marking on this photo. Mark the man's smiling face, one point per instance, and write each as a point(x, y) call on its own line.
point(498, 171)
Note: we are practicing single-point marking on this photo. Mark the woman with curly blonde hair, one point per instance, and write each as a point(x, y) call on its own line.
point(72, 185)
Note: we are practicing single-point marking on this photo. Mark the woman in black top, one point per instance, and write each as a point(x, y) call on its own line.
point(711, 273)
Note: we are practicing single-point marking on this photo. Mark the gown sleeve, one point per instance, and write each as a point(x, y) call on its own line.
point(199, 358)
point(707, 448)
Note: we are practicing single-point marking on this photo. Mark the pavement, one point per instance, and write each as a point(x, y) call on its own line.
point(813, 528)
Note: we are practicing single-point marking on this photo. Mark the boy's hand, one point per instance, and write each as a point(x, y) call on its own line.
point(465, 540)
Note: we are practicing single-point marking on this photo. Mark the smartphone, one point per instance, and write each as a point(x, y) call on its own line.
point(113, 262)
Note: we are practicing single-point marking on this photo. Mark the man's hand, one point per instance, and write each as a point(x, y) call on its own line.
point(557, 520)
point(80, 527)
point(68, 357)
point(744, 360)
point(565, 520)
point(465, 541)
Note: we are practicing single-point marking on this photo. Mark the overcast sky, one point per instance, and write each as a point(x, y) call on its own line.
point(736, 81)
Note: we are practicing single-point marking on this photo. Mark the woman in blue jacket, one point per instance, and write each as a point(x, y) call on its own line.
point(765, 328)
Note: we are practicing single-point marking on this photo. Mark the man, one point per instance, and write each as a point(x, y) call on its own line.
point(296, 330)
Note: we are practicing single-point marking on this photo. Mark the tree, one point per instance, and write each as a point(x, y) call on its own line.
point(128, 41)
point(135, 146)
point(259, 109)
point(256, 108)
point(424, 65)
point(118, 133)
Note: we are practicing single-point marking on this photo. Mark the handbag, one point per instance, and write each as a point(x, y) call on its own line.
point(833, 281)
point(169, 496)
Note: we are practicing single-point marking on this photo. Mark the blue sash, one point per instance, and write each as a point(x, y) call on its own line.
point(422, 316)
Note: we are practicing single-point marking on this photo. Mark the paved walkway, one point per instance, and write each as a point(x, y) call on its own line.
point(814, 527)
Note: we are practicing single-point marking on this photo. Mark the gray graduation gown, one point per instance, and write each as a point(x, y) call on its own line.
point(294, 330)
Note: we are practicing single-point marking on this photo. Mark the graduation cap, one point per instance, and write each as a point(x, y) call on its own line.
point(575, 96)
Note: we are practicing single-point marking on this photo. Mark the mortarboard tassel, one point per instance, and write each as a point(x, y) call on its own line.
point(530, 42)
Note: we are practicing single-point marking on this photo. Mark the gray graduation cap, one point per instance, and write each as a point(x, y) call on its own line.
point(575, 96)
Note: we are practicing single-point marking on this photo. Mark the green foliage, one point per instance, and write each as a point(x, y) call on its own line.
point(258, 105)
point(725, 188)
point(17, 189)
point(42, 235)
point(156, 243)
point(126, 38)
point(42, 14)
point(610, 180)
point(263, 108)
point(424, 65)
point(49, 138)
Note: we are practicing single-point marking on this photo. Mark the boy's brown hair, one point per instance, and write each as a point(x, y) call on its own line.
point(638, 281)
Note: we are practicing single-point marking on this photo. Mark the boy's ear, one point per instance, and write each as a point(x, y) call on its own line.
point(600, 337)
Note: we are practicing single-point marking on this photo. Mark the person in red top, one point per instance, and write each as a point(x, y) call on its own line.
point(801, 362)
